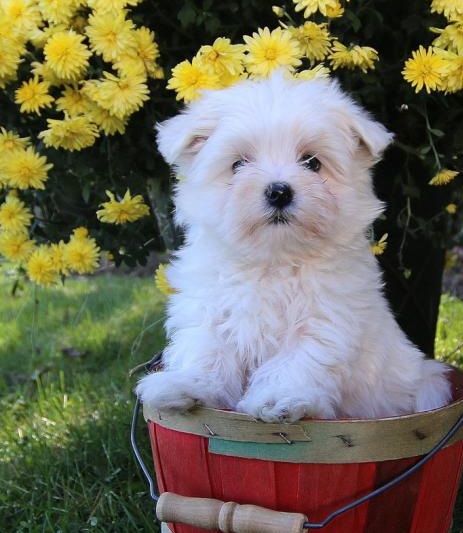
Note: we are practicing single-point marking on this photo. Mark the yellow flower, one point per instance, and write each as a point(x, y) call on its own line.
point(121, 96)
point(312, 6)
point(66, 55)
point(452, 80)
point(22, 14)
point(107, 123)
point(267, 51)
point(143, 57)
point(16, 246)
point(362, 57)
point(279, 11)
point(425, 69)
point(58, 257)
point(318, 72)
point(81, 253)
point(58, 11)
point(43, 70)
point(40, 267)
point(126, 210)
point(33, 96)
point(222, 57)
point(14, 215)
point(9, 59)
point(115, 6)
point(25, 169)
point(378, 247)
point(111, 35)
point(334, 12)
point(71, 133)
point(161, 281)
point(314, 40)
point(451, 209)
point(451, 37)
point(72, 102)
point(189, 79)
point(443, 177)
point(9, 141)
point(40, 35)
point(449, 8)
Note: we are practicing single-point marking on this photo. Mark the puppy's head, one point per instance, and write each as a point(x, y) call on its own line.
point(275, 167)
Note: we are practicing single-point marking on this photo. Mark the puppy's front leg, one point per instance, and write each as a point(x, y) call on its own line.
point(289, 387)
point(207, 379)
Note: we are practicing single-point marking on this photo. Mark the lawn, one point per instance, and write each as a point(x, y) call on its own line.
point(66, 400)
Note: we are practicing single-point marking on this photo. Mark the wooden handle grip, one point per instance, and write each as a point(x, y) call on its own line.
point(228, 517)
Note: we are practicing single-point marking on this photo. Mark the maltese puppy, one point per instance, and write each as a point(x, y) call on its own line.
point(278, 310)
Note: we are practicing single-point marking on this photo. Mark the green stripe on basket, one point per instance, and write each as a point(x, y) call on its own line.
point(293, 453)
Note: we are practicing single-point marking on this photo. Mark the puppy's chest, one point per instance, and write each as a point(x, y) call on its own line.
point(258, 318)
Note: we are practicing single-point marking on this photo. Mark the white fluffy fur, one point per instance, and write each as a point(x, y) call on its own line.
point(287, 320)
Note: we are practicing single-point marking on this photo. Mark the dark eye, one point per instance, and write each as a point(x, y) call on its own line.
point(238, 164)
point(310, 162)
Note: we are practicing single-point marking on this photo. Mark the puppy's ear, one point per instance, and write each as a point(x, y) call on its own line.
point(180, 138)
point(372, 135)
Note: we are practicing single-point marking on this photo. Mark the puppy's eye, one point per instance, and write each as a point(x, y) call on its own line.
point(310, 162)
point(238, 164)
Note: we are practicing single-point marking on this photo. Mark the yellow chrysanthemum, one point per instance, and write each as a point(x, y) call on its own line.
point(190, 78)
point(40, 267)
point(81, 253)
point(318, 72)
point(314, 40)
point(44, 71)
point(71, 133)
point(222, 57)
point(58, 11)
point(111, 35)
point(66, 55)
point(362, 57)
point(33, 95)
point(22, 14)
point(10, 58)
point(268, 50)
point(161, 281)
point(448, 8)
point(143, 57)
point(128, 209)
point(378, 247)
point(334, 12)
point(452, 80)
point(451, 37)
point(279, 11)
point(121, 96)
point(107, 123)
point(425, 69)
point(10, 142)
point(58, 257)
point(451, 209)
point(40, 35)
point(443, 177)
point(115, 6)
point(14, 215)
point(72, 102)
point(16, 246)
point(312, 6)
point(25, 169)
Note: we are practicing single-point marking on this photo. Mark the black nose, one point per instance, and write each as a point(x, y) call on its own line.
point(279, 194)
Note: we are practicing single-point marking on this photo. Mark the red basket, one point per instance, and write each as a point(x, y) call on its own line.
point(316, 467)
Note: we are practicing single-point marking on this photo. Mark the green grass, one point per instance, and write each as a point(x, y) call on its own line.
point(65, 402)
point(65, 459)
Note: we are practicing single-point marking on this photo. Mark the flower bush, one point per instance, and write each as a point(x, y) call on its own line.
point(82, 85)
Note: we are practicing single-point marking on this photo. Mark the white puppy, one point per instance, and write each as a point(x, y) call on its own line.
point(279, 311)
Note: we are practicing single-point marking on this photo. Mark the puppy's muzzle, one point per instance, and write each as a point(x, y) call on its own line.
point(279, 195)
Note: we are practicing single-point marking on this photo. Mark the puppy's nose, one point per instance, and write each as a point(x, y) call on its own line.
point(279, 194)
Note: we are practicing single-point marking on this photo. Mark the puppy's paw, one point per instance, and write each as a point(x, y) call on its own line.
point(286, 409)
point(166, 391)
